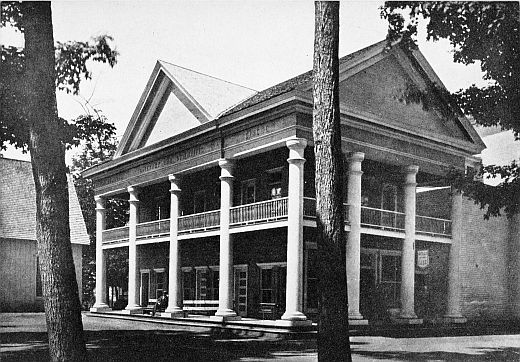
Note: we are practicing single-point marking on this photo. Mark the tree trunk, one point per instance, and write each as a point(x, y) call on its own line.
point(60, 288)
point(333, 339)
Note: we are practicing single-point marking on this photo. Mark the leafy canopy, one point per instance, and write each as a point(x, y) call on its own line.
point(486, 33)
point(71, 66)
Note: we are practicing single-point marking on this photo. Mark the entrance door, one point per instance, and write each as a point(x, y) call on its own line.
point(380, 282)
point(241, 290)
point(145, 288)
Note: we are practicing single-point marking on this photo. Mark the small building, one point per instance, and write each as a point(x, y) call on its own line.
point(219, 180)
point(20, 287)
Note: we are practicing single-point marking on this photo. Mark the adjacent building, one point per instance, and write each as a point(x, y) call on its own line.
point(219, 180)
point(20, 286)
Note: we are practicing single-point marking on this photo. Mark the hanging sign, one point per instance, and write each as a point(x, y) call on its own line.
point(423, 259)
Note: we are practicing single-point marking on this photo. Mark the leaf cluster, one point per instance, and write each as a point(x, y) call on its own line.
point(483, 32)
point(71, 67)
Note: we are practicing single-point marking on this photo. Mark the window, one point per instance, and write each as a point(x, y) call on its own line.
point(266, 286)
point(207, 283)
point(312, 279)
point(274, 179)
point(160, 282)
point(39, 290)
point(188, 284)
point(199, 201)
point(248, 193)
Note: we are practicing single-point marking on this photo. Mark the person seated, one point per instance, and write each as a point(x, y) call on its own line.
point(161, 304)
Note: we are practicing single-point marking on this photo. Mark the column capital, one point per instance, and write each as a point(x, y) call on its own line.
point(227, 166)
point(354, 161)
point(100, 202)
point(134, 194)
point(296, 148)
point(174, 183)
point(410, 173)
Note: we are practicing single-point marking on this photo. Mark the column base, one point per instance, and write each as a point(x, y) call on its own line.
point(454, 319)
point(132, 310)
point(225, 318)
point(100, 308)
point(357, 322)
point(224, 315)
point(294, 316)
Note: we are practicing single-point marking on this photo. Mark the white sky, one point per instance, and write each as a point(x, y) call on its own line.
point(252, 43)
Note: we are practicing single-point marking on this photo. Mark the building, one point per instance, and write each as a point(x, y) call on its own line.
point(21, 288)
point(220, 185)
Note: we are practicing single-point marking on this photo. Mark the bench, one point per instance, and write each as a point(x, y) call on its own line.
point(268, 310)
point(205, 307)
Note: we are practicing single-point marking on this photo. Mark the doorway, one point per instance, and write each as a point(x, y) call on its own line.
point(380, 282)
point(145, 287)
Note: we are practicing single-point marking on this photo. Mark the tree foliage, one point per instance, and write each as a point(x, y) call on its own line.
point(97, 140)
point(71, 67)
point(486, 33)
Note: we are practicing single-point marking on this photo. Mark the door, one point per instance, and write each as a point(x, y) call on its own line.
point(241, 290)
point(145, 288)
point(380, 282)
point(389, 202)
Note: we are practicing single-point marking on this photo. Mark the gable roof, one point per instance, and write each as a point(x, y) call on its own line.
point(299, 82)
point(206, 97)
point(18, 204)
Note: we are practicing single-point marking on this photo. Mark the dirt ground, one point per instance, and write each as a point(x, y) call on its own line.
point(23, 337)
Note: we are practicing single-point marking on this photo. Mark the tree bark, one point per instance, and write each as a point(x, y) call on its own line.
point(60, 288)
point(333, 338)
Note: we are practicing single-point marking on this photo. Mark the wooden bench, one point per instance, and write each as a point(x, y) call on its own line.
point(268, 310)
point(205, 307)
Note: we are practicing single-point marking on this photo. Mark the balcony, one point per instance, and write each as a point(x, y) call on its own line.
point(272, 211)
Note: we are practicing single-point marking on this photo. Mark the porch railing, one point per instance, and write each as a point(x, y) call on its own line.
point(382, 219)
point(432, 225)
point(259, 211)
point(116, 234)
point(200, 221)
point(153, 228)
point(309, 208)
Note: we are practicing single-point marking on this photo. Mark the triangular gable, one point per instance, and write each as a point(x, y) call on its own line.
point(175, 100)
point(375, 81)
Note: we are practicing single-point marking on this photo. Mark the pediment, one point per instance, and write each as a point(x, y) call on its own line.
point(176, 100)
point(387, 90)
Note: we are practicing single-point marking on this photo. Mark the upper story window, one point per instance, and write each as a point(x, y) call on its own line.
point(248, 192)
point(389, 197)
point(274, 179)
point(199, 201)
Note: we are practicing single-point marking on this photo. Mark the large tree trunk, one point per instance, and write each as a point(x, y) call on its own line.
point(333, 339)
point(60, 289)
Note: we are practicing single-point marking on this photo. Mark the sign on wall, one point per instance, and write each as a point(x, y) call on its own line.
point(423, 259)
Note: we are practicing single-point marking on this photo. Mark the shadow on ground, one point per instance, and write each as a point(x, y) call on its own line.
point(131, 345)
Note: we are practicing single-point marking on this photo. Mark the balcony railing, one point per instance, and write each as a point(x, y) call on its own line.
point(272, 210)
point(309, 208)
point(382, 219)
point(153, 229)
point(201, 221)
point(432, 225)
point(259, 211)
point(114, 235)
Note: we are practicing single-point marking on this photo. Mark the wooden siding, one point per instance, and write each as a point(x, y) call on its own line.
point(18, 275)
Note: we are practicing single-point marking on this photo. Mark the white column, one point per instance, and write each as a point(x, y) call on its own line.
point(174, 276)
point(133, 274)
point(407, 314)
point(353, 256)
point(294, 287)
point(225, 288)
point(453, 313)
point(101, 303)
